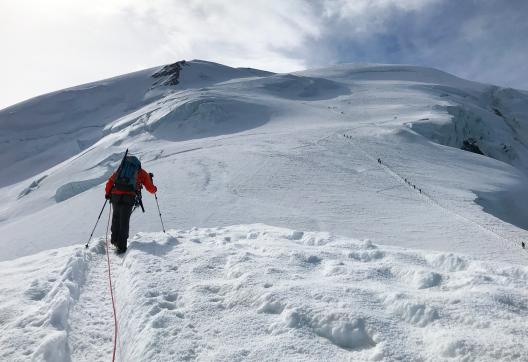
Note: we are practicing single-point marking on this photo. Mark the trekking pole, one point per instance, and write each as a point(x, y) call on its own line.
point(163, 226)
point(99, 217)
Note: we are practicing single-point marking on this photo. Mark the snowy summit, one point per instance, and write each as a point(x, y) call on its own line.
point(355, 212)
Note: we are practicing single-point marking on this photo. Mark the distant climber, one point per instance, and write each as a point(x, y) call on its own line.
point(123, 189)
point(379, 160)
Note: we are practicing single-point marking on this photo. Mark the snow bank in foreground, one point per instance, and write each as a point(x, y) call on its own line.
point(37, 294)
point(256, 292)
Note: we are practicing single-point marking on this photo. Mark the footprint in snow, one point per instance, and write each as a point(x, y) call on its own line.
point(171, 297)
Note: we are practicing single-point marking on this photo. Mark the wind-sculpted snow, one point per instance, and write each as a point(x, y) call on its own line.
point(508, 205)
point(74, 188)
point(181, 118)
point(291, 86)
point(35, 184)
point(409, 74)
point(208, 117)
point(39, 133)
point(256, 292)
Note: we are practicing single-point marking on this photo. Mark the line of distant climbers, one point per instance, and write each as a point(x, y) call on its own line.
point(381, 163)
point(408, 182)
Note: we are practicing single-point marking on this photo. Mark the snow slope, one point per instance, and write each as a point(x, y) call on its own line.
point(363, 151)
point(262, 293)
point(231, 146)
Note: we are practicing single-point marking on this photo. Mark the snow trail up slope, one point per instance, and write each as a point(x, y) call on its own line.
point(254, 292)
point(91, 322)
point(232, 146)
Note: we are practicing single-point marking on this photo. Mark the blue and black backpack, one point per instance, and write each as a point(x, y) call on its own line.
point(127, 174)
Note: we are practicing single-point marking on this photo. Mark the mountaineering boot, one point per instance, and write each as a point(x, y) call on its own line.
point(121, 250)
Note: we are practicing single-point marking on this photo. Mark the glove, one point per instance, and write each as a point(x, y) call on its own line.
point(151, 175)
point(107, 196)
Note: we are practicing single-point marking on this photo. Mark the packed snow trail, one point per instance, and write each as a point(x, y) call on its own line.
point(91, 319)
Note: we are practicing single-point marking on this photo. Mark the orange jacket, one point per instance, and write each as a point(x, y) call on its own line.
point(143, 179)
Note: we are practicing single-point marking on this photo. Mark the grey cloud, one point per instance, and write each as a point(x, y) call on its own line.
point(478, 40)
point(70, 42)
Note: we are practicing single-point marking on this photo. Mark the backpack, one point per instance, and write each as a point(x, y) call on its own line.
point(127, 174)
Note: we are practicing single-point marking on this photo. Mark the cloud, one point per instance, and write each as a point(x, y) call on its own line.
point(237, 33)
point(67, 42)
point(478, 40)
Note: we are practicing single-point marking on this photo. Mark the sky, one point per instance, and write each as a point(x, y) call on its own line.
point(54, 44)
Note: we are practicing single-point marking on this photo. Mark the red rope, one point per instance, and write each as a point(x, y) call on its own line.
point(111, 288)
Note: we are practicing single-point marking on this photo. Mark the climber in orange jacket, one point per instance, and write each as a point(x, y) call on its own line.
point(143, 179)
point(123, 188)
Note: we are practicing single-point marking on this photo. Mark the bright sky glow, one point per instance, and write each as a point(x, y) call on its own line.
point(51, 45)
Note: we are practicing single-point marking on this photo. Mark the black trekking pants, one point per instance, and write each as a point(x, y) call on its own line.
point(122, 205)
